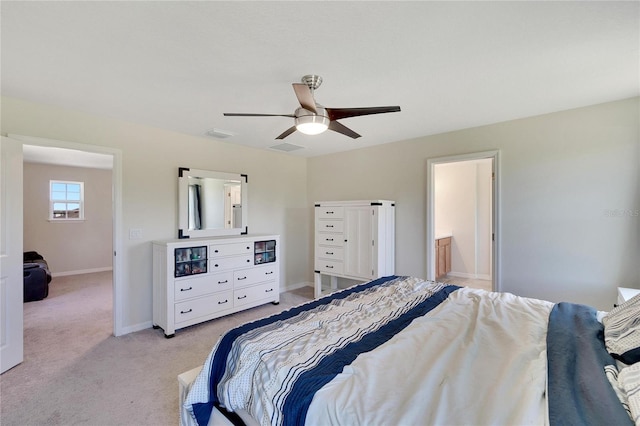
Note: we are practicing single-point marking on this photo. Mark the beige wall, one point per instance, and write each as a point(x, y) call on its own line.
point(69, 247)
point(570, 186)
point(570, 197)
point(151, 157)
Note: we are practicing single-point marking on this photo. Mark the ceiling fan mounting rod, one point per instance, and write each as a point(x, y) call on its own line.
point(312, 80)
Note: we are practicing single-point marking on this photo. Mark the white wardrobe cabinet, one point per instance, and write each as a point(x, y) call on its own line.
point(354, 240)
point(198, 279)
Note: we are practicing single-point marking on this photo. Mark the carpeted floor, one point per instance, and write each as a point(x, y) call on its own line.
point(75, 372)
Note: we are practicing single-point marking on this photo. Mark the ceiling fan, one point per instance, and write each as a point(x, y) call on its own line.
point(312, 118)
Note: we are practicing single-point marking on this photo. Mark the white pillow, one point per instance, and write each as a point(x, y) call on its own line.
point(622, 331)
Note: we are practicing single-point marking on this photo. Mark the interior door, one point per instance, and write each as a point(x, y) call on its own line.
point(11, 287)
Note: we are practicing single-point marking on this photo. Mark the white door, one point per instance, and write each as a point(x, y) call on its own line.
point(11, 278)
point(358, 250)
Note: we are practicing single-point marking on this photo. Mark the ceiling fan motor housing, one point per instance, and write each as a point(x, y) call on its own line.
point(311, 123)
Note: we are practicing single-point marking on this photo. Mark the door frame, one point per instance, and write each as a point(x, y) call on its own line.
point(116, 182)
point(495, 210)
point(11, 273)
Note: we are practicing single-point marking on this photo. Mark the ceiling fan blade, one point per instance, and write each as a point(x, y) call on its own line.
point(338, 113)
point(287, 132)
point(242, 114)
point(305, 97)
point(341, 128)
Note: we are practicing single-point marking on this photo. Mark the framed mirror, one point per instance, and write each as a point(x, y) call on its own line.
point(211, 204)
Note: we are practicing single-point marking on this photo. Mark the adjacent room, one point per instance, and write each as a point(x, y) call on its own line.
point(476, 161)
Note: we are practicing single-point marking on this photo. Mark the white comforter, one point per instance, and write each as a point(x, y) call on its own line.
point(435, 380)
point(476, 358)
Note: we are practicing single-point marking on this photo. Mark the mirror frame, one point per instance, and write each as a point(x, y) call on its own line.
point(184, 173)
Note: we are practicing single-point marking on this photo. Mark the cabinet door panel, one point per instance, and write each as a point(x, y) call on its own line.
point(358, 255)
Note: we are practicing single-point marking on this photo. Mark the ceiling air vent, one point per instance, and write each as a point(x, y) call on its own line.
point(220, 134)
point(286, 147)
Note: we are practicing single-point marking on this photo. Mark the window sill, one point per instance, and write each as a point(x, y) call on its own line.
point(66, 220)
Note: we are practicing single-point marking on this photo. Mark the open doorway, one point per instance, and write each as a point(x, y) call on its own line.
point(462, 220)
point(91, 157)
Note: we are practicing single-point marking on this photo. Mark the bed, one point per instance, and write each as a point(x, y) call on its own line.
point(401, 350)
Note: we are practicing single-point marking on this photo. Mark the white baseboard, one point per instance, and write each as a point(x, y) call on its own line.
point(137, 327)
point(472, 276)
point(81, 271)
point(296, 286)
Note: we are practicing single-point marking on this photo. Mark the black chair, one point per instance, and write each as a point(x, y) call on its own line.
point(36, 277)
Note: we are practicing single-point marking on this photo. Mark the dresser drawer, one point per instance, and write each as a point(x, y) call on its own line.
point(328, 252)
point(329, 266)
point(218, 250)
point(330, 212)
point(246, 277)
point(202, 284)
point(231, 262)
point(324, 239)
point(336, 226)
point(207, 305)
point(248, 295)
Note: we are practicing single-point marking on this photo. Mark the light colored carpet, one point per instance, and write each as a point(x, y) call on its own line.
point(75, 372)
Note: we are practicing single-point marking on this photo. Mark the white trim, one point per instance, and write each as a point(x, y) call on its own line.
point(136, 327)
point(296, 286)
point(81, 271)
point(496, 225)
point(484, 277)
point(116, 178)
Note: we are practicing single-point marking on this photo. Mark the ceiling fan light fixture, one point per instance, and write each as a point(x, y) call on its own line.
point(309, 123)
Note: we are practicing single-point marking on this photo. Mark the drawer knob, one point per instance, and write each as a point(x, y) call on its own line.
point(329, 212)
point(222, 303)
point(223, 282)
point(329, 226)
point(248, 260)
point(242, 278)
point(267, 291)
point(186, 312)
point(268, 273)
point(216, 251)
point(242, 297)
point(186, 289)
point(329, 239)
point(329, 266)
point(216, 265)
point(328, 252)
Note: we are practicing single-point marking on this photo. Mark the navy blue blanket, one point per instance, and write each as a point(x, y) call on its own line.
point(579, 392)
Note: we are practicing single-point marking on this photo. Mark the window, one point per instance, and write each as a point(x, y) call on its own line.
point(66, 200)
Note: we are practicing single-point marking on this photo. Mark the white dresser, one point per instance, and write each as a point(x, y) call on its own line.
point(198, 279)
point(354, 240)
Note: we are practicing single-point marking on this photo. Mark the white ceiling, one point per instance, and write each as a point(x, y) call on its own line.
point(449, 65)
